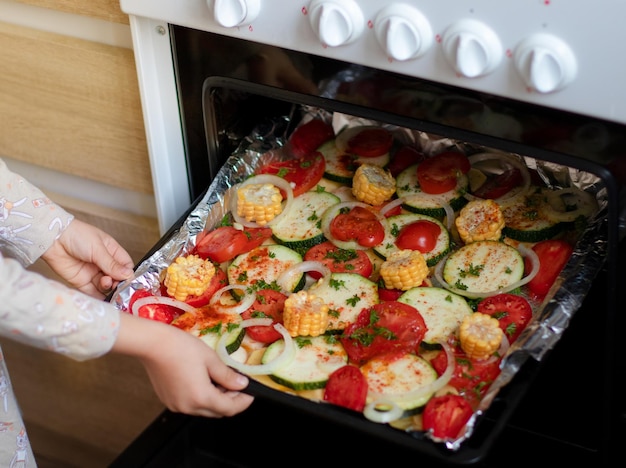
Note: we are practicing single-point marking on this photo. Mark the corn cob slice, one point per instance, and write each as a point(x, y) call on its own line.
point(305, 314)
point(372, 184)
point(480, 335)
point(259, 203)
point(404, 269)
point(480, 220)
point(188, 276)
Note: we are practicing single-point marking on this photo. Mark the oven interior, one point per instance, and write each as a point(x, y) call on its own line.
point(550, 404)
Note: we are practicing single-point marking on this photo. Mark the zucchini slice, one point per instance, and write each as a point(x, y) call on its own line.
point(396, 377)
point(300, 229)
point(340, 166)
point(397, 222)
point(423, 203)
point(442, 310)
point(483, 267)
point(346, 295)
point(529, 220)
point(209, 326)
point(316, 358)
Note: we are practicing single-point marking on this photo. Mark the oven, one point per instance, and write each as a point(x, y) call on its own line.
point(516, 77)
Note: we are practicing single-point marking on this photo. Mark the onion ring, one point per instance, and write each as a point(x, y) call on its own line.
point(330, 214)
point(163, 300)
point(525, 251)
point(303, 267)
point(283, 359)
point(263, 179)
point(514, 193)
point(382, 411)
point(244, 304)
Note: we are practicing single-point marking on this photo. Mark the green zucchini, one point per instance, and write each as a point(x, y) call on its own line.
point(346, 295)
point(316, 358)
point(212, 329)
point(340, 166)
point(398, 377)
point(442, 310)
point(397, 222)
point(264, 265)
point(528, 220)
point(300, 229)
point(482, 267)
point(417, 201)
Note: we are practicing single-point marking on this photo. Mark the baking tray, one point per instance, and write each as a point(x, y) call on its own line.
point(267, 133)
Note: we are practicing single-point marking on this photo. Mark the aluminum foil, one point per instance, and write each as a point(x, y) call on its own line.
point(268, 142)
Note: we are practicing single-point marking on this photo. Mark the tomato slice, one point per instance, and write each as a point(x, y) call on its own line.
point(499, 185)
point(385, 294)
point(512, 311)
point(446, 415)
point(226, 242)
point(268, 303)
point(403, 158)
point(309, 136)
point(160, 312)
point(553, 254)
point(370, 142)
point(303, 173)
point(360, 225)
point(419, 235)
point(219, 281)
point(347, 387)
point(383, 328)
point(438, 174)
point(339, 260)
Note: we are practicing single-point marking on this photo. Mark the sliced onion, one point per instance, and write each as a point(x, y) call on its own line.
point(429, 389)
point(585, 202)
point(244, 304)
point(263, 179)
point(165, 300)
point(512, 194)
point(284, 358)
point(286, 276)
point(382, 411)
point(330, 214)
point(391, 205)
point(525, 251)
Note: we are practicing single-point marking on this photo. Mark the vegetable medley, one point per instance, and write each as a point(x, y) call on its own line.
point(365, 274)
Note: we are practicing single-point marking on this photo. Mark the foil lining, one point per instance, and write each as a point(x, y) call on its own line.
point(267, 142)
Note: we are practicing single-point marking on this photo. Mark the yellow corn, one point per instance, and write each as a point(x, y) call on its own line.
point(259, 203)
point(404, 269)
point(480, 335)
point(305, 314)
point(480, 220)
point(372, 184)
point(188, 276)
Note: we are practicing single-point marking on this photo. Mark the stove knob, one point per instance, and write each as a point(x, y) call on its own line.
point(472, 48)
point(403, 31)
point(545, 62)
point(336, 22)
point(231, 13)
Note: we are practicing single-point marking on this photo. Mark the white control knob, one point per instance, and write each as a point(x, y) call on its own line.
point(545, 63)
point(232, 13)
point(403, 31)
point(336, 22)
point(472, 48)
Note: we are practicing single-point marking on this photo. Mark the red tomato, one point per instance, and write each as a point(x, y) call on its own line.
point(438, 174)
point(420, 235)
point(553, 255)
point(303, 173)
point(471, 377)
point(219, 281)
point(385, 327)
point(360, 225)
point(370, 142)
point(446, 415)
point(403, 158)
point(160, 312)
point(512, 311)
point(309, 136)
point(385, 294)
point(225, 242)
point(268, 303)
point(499, 185)
point(339, 260)
point(347, 387)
